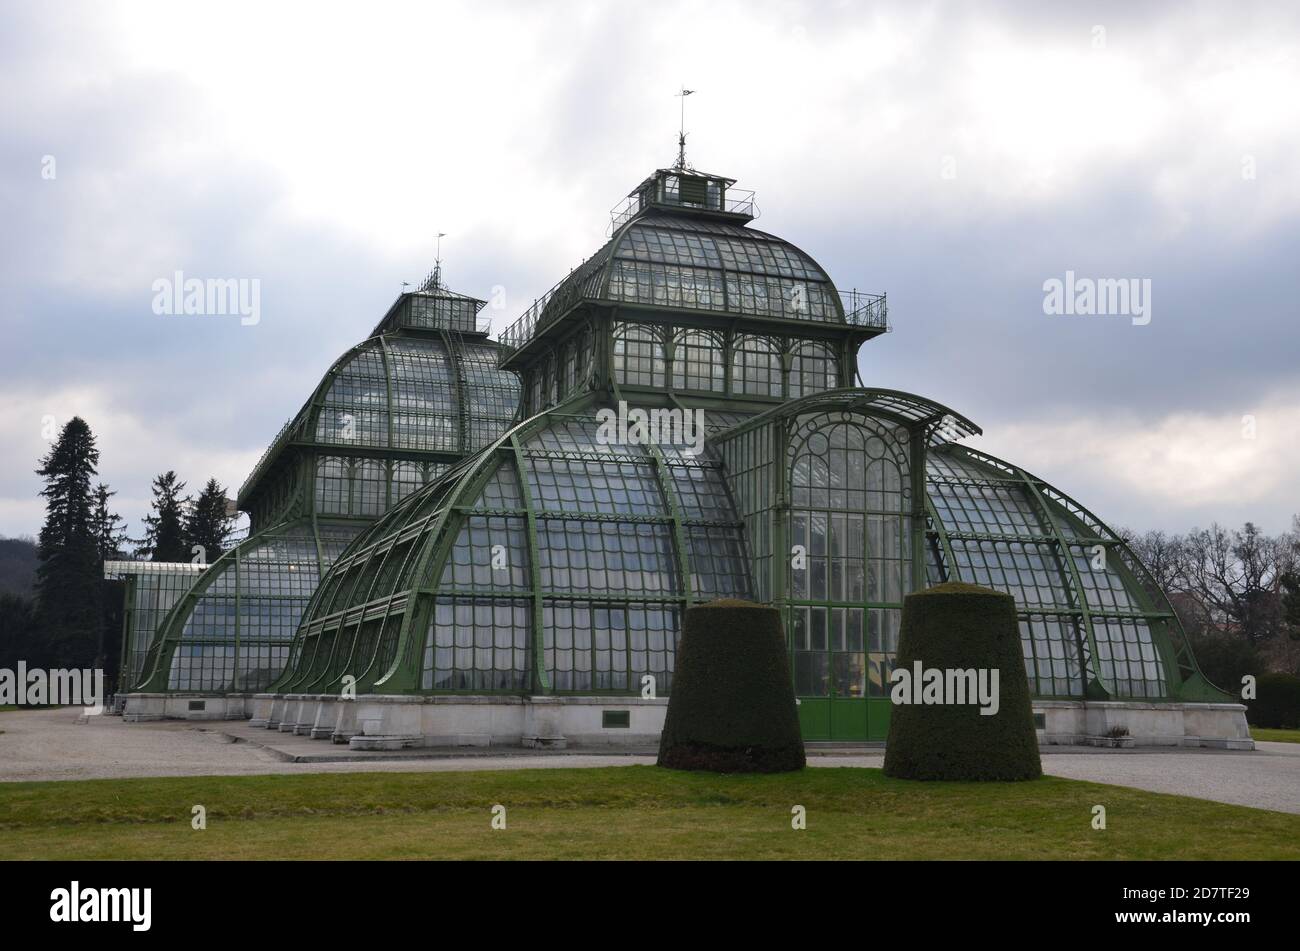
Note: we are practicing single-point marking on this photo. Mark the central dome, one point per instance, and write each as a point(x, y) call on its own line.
point(695, 262)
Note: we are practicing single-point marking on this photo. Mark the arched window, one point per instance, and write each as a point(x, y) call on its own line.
point(551, 380)
point(582, 361)
point(756, 367)
point(697, 361)
point(638, 355)
point(349, 486)
point(369, 487)
point(570, 367)
point(813, 369)
point(850, 519)
point(535, 389)
point(407, 477)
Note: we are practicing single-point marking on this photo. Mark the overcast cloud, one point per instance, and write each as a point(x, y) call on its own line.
point(953, 156)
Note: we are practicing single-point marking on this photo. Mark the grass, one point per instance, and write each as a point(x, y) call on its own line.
point(1275, 735)
point(623, 812)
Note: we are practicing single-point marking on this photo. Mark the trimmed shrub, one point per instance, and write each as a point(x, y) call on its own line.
point(1276, 703)
point(958, 626)
point(732, 705)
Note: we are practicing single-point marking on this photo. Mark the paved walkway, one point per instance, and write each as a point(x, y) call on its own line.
point(1268, 778)
point(51, 745)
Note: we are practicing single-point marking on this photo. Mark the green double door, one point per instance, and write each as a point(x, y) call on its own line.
point(845, 719)
point(840, 672)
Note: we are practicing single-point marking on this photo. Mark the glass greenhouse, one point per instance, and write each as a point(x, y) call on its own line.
point(391, 415)
point(557, 559)
point(151, 589)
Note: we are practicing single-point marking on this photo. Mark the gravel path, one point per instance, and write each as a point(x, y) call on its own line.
point(1268, 778)
point(52, 745)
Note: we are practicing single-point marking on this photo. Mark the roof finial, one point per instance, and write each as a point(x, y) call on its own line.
point(681, 132)
point(437, 262)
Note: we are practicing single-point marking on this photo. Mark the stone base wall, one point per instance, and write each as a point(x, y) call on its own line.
point(1091, 723)
point(138, 707)
point(373, 722)
point(379, 722)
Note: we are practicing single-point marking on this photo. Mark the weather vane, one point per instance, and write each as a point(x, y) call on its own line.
point(437, 261)
point(681, 131)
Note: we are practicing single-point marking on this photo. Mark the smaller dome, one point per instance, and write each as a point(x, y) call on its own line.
point(440, 394)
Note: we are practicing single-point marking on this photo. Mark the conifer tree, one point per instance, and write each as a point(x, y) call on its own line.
point(164, 527)
point(68, 604)
point(208, 524)
point(111, 541)
point(110, 535)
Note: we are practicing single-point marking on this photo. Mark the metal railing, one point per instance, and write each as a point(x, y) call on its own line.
point(865, 310)
point(257, 469)
point(526, 327)
point(523, 329)
point(860, 309)
point(736, 201)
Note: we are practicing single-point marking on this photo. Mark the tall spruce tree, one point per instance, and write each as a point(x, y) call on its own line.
point(208, 524)
point(164, 527)
point(68, 604)
point(111, 541)
point(108, 526)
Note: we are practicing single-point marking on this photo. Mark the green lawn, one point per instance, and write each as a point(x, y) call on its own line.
point(1275, 736)
point(627, 812)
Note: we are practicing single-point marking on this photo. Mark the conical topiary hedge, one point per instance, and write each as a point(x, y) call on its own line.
point(732, 705)
point(958, 626)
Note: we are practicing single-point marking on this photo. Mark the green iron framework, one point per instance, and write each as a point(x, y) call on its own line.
point(152, 588)
point(554, 561)
point(393, 414)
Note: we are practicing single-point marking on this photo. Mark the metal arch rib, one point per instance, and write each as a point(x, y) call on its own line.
point(875, 401)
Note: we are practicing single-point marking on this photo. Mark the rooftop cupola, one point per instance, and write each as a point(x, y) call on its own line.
point(683, 189)
point(682, 252)
point(432, 306)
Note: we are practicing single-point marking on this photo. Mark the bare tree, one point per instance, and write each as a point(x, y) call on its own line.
point(1162, 554)
point(1237, 576)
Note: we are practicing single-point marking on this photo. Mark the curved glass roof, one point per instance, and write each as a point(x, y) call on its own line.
point(552, 542)
point(665, 260)
point(152, 588)
point(941, 424)
point(554, 545)
point(1089, 611)
point(422, 393)
point(231, 630)
point(394, 412)
point(416, 393)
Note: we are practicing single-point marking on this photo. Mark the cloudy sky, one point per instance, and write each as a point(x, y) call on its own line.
point(954, 156)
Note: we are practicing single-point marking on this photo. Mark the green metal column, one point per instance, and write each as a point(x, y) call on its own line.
point(916, 531)
point(125, 674)
point(234, 674)
point(1075, 583)
point(541, 681)
point(675, 510)
point(952, 571)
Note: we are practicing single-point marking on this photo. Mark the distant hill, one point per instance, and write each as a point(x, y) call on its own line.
point(17, 566)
